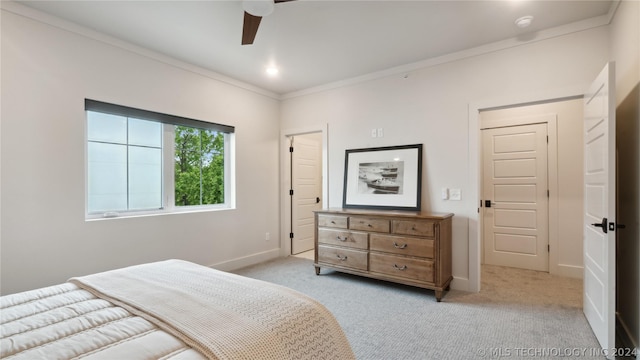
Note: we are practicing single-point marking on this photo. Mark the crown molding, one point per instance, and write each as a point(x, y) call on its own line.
point(36, 15)
point(403, 70)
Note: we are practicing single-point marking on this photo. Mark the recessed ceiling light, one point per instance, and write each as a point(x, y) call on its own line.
point(272, 71)
point(524, 21)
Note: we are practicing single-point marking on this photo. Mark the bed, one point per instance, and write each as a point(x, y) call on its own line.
point(168, 310)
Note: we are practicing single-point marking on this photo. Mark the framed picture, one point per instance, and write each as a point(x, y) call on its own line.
point(383, 178)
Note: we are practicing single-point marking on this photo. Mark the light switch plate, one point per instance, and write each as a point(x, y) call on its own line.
point(445, 193)
point(455, 194)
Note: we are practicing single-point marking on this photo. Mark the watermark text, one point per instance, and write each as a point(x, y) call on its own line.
point(530, 352)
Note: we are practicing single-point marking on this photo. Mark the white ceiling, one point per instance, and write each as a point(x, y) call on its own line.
point(317, 42)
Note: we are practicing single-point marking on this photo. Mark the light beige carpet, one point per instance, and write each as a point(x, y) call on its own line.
point(518, 314)
point(526, 288)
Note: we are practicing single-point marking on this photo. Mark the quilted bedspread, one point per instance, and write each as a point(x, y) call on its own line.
point(166, 310)
point(66, 322)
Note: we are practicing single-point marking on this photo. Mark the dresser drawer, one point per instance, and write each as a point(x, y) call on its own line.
point(412, 227)
point(334, 221)
point(369, 224)
point(352, 239)
point(355, 259)
point(402, 245)
point(409, 268)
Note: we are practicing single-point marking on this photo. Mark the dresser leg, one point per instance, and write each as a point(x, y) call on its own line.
point(438, 295)
point(317, 270)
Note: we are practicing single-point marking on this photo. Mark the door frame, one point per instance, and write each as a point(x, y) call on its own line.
point(285, 179)
point(552, 176)
point(475, 162)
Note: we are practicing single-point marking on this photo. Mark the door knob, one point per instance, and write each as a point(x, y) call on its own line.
point(602, 225)
point(317, 200)
point(487, 203)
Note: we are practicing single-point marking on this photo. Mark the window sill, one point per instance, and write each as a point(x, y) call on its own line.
point(140, 214)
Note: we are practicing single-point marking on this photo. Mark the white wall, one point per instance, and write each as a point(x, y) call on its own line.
point(47, 73)
point(431, 106)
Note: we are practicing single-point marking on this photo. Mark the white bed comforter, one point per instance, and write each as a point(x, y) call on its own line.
point(178, 307)
point(66, 322)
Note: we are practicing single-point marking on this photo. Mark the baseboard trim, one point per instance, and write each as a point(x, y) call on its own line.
point(572, 271)
point(245, 261)
point(460, 284)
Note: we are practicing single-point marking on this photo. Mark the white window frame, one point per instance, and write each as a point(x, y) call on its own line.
point(168, 172)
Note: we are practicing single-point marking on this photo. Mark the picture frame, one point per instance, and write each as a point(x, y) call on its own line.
point(383, 178)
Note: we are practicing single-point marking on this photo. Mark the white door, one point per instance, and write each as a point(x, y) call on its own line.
point(306, 180)
point(599, 207)
point(515, 198)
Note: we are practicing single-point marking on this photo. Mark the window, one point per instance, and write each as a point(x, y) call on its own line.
point(199, 166)
point(145, 162)
point(124, 163)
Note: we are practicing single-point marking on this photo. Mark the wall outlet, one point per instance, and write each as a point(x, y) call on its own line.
point(267, 236)
point(374, 133)
point(380, 133)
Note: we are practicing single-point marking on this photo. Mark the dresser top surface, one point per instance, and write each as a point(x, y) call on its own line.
point(388, 213)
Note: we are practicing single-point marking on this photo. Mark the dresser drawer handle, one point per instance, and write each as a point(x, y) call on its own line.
point(333, 222)
point(369, 225)
point(343, 239)
point(401, 268)
point(341, 258)
point(395, 245)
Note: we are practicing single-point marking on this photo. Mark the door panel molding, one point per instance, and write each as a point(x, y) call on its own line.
point(306, 183)
point(516, 233)
point(600, 207)
point(555, 267)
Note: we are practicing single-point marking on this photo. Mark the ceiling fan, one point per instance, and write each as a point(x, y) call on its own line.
point(254, 11)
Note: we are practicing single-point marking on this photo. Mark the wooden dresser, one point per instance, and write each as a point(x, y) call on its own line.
point(405, 247)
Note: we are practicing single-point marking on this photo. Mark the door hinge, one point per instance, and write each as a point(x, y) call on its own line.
point(290, 148)
point(290, 235)
point(547, 193)
point(547, 139)
point(548, 248)
point(291, 192)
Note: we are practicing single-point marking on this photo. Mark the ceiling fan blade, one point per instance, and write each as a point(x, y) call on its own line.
point(250, 28)
point(251, 24)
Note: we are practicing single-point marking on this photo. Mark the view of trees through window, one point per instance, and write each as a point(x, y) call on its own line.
point(199, 166)
point(136, 159)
